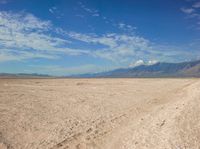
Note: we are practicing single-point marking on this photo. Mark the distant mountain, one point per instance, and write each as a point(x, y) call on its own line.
point(22, 75)
point(161, 69)
point(184, 69)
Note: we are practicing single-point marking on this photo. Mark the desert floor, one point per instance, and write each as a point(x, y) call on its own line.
point(100, 113)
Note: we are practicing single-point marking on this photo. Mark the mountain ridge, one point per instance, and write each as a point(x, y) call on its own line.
point(160, 69)
point(23, 75)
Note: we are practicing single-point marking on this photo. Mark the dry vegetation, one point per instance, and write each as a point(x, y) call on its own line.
point(100, 113)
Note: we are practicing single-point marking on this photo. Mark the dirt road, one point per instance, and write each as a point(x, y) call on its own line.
point(100, 113)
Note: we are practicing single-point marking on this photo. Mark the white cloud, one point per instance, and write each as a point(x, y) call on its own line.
point(196, 5)
point(122, 48)
point(22, 22)
point(56, 12)
point(121, 25)
point(53, 9)
point(80, 15)
point(142, 62)
point(193, 13)
point(95, 15)
point(93, 12)
point(10, 55)
point(187, 10)
point(126, 27)
point(152, 62)
point(127, 47)
point(137, 63)
point(23, 36)
point(7, 57)
point(3, 1)
point(117, 46)
point(107, 41)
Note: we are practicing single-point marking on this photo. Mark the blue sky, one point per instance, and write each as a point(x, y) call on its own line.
point(64, 37)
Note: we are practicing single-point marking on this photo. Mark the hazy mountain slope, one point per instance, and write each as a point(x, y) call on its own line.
point(184, 69)
point(192, 71)
point(22, 75)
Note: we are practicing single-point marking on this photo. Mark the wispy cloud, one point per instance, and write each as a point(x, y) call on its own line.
point(92, 12)
point(123, 48)
point(56, 12)
point(3, 1)
point(96, 13)
point(192, 12)
point(79, 15)
point(126, 27)
point(106, 40)
point(187, 10)
point(53, 9)
point(24, 36)
point(196, 5)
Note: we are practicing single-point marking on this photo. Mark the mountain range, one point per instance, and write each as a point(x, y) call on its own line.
point(23, 75)
point(160, 69)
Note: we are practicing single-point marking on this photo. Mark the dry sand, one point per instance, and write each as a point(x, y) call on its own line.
point(100, 113)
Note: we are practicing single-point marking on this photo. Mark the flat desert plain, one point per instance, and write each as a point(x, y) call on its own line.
point(100, 113)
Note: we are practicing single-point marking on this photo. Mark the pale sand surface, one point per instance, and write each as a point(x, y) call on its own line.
point(100, 113)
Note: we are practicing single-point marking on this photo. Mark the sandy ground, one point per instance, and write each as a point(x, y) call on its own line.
point(100, 113)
